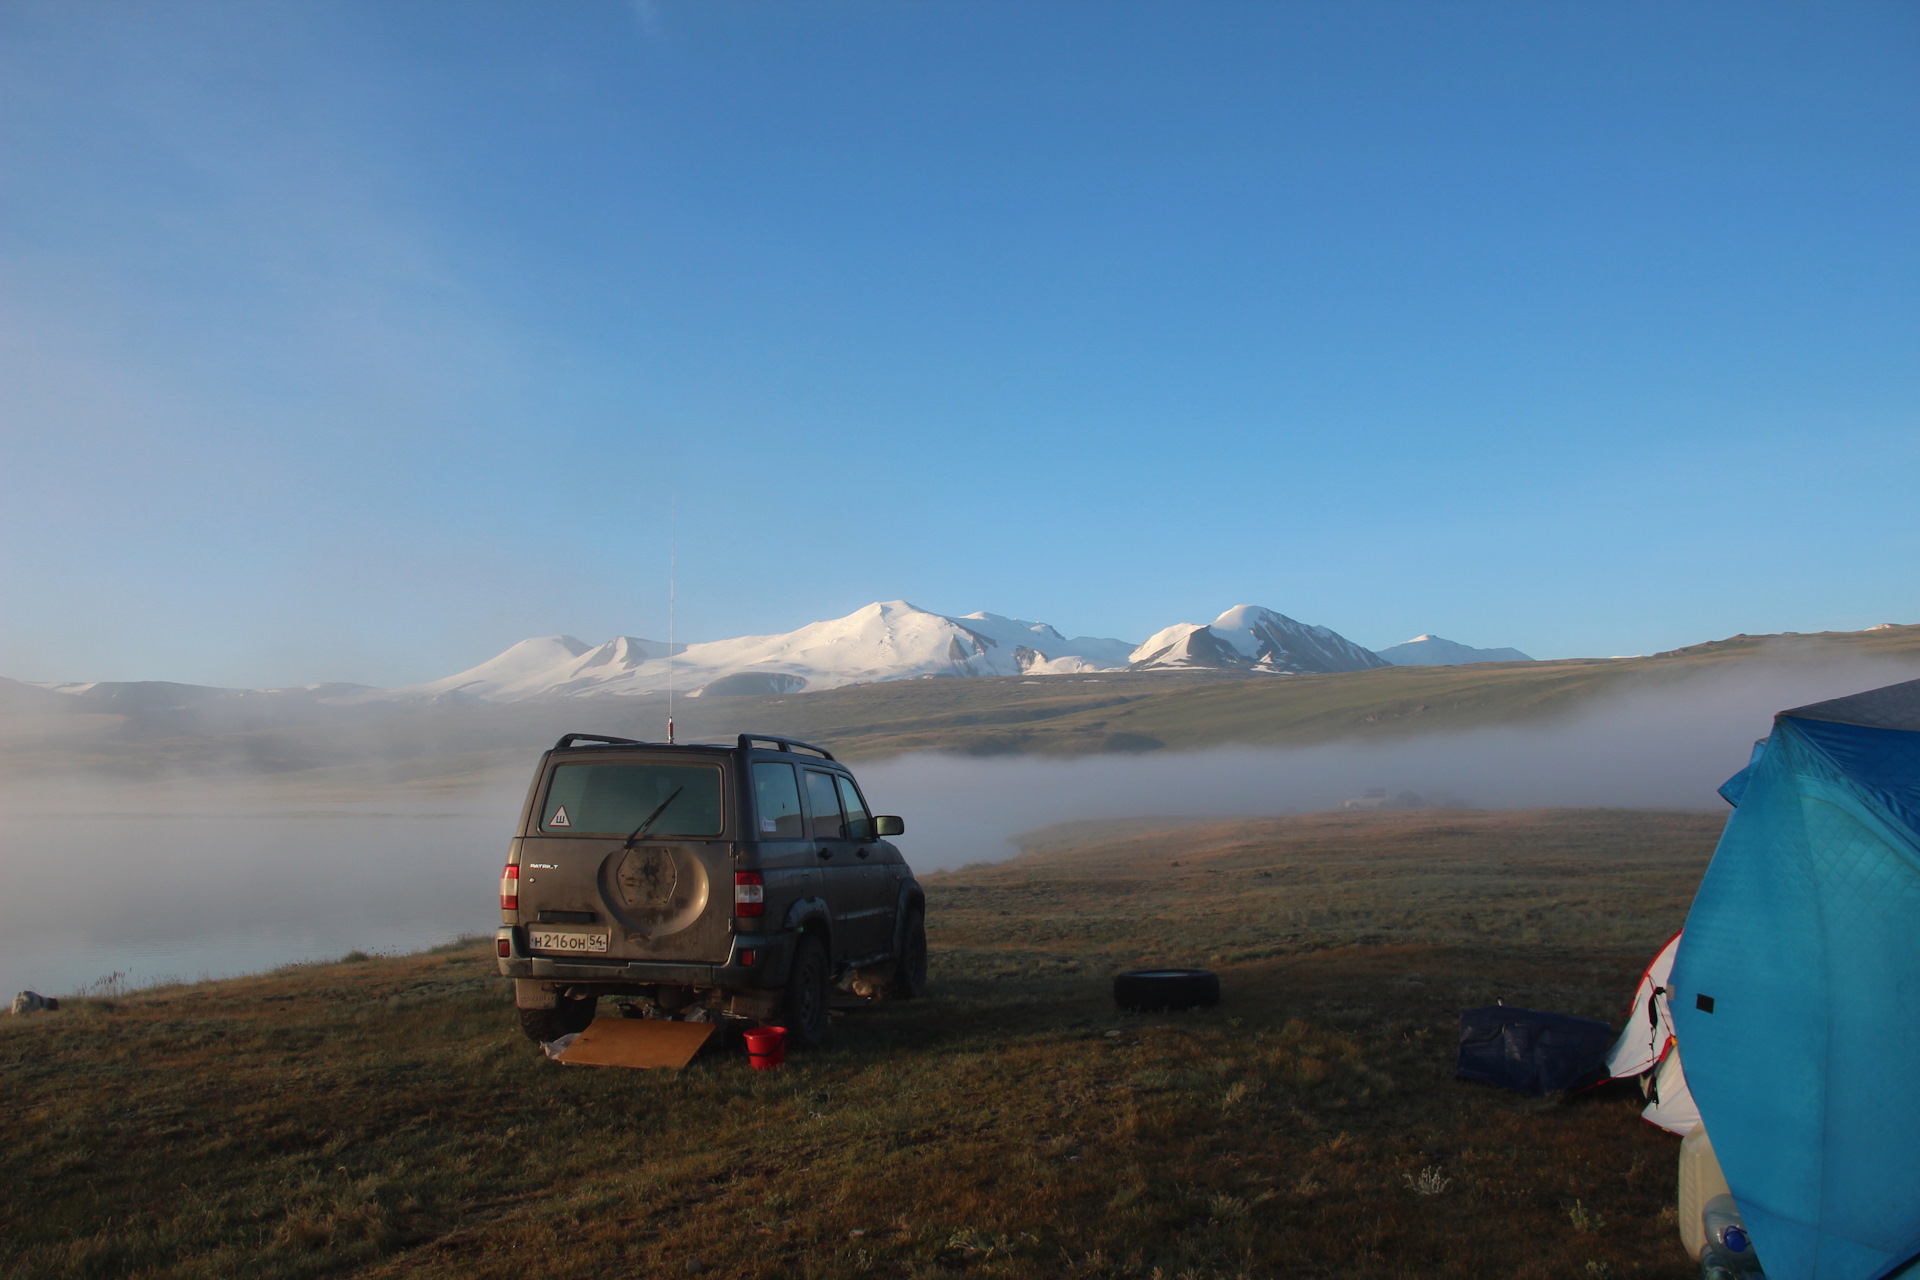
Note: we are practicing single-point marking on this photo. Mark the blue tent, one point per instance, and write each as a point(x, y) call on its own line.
point(1796, 991)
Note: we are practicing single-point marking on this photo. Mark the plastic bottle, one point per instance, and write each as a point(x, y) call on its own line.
point(1728, 1251)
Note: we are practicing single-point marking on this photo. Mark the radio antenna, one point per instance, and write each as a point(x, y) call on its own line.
point(673, 523)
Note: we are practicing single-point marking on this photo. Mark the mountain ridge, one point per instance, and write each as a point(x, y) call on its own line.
point(1436, 651)
point(882, 641)
point(155, 731)
point(885, 640)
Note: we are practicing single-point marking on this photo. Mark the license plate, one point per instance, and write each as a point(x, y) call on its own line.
point(556, 940)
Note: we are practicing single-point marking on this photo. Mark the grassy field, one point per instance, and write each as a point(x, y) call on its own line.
point(384, 1117)
point(1054, 715)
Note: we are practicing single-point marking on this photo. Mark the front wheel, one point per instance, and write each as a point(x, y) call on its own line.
point(910, 971)
point(565, 1018)
point(803, 1007)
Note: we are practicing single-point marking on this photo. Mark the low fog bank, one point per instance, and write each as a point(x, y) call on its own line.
point(144, 884)
point(1666, 744)
point(233, 874)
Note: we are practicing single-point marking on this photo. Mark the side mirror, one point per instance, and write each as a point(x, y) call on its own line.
point(886, 824)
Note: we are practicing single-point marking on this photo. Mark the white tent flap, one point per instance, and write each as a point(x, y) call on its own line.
point(1647, 1048)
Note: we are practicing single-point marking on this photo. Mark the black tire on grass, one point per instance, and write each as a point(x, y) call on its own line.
point(1156, 990)
point(910, 968)
point(803, 1006)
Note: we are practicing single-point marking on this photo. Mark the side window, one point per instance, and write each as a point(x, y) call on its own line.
point(777, 796)
point(858, 828)
point(825, 804)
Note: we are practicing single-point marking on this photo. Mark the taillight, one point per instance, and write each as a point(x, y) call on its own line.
point(504, 946)
point(749, 893)
point(510, 888)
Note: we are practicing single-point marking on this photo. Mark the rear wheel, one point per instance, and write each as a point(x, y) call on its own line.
point(910, 971)
point(565, 1018)
point(804, 1005)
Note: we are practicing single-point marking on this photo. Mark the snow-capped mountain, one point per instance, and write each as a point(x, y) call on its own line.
point(890, 640)
point(1251, 637)
point(1432, 651)
point(545, 665)
point(1053, 653)
point(893, 640)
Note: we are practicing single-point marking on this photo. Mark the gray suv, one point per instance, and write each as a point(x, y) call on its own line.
point(704, 882)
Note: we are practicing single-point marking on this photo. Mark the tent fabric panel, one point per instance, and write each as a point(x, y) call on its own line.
point(1670, 1103)
point(1881, 766)
point(1908, 1268)
point(1733, 788)
point(1873, 1113)
point(1802, 936)
point(1893, 706)
point(1750, 946)
point(1643, 1040)
point(1790, 1252)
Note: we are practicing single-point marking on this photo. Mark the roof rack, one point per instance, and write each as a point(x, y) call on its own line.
point(568, 739)
point(747, 741)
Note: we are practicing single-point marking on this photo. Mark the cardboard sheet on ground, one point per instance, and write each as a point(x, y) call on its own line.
point(637, 1042)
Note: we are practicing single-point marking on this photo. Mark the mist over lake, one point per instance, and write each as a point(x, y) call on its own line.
point(188, 882)
point(185, 879)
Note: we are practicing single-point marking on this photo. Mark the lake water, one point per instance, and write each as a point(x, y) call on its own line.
point(224, 887)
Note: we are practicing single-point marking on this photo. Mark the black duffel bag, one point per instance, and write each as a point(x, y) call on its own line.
point(1529, 1051)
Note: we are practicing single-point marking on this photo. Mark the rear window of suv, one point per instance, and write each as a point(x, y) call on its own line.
point(613, 799)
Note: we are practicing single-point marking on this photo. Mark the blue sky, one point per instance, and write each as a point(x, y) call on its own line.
point(356, 342)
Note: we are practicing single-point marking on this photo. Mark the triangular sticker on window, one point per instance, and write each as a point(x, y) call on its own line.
point(559, 818)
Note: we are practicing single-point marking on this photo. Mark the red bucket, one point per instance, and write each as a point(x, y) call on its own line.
point(766, 1047)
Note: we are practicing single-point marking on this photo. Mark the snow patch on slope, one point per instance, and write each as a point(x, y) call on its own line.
point(1187, 644)
point(1253, 637)
point(540, 665)
point(1052, 653)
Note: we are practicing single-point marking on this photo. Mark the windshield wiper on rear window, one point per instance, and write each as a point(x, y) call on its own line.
point(642, 828)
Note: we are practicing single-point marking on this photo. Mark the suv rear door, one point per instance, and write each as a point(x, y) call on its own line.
point(785, 855)
point(663, 894)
